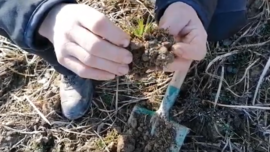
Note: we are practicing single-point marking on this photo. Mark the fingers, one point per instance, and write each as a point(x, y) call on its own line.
point(178, 65)
point(102, 26)
point(85, 72)
point(96, 62)
point(191, 51)
point(183, 23)
point(173, 20)
point(99, 47)
point(176, 28)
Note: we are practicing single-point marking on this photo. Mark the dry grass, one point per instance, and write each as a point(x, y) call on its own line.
point(225, 98)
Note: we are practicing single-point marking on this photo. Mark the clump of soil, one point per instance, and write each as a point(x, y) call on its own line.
point(138, 136)
point(152, 52)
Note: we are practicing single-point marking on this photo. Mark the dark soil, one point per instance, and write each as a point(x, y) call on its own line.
point(212, 128)
point(138, 136)
point(152, 52)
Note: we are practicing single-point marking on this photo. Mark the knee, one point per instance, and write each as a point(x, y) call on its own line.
point(50, 57)
point(224, 25)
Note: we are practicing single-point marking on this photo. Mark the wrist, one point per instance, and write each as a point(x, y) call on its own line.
point(46, 28)
point(189, 10)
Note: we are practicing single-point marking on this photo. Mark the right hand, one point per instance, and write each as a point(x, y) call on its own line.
point(77, 32)
point(185, 25)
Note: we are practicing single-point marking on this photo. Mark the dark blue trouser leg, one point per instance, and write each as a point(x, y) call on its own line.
point(229, 18)
point(49, 56)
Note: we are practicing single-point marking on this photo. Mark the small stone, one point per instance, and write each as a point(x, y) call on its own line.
point(162, 57)
point(163, 50)
point(133, 122)
point(129, 132)
point(135, 46)
point(145, 137)
point(145, 127)
point(125, 144)
point(146, 45)
point(148, 147)
point(167, 44)
point(147, 37)
point(145, 57)
point(140, 129)
point(152, 43)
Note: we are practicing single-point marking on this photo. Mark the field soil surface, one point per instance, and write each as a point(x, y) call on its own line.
point(224, 100)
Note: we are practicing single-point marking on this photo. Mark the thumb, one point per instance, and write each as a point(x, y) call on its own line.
point(174, 20)
point(191, 51)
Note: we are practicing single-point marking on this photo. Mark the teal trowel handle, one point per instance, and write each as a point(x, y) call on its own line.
point(172, 91)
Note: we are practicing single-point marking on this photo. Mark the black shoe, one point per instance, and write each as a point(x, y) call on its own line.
point(76, 96)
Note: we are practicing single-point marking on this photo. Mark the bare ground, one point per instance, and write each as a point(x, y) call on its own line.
point(224, 101)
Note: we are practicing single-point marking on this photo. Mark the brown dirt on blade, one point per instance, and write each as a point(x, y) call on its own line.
point(138, 136)
point(151, 53)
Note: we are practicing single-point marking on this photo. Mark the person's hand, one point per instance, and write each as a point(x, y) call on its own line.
point(77, 32)
point(182, 21)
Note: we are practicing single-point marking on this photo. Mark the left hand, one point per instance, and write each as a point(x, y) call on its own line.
point(183, 23)
point(79, 42)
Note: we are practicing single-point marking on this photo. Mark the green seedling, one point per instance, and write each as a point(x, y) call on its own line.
point(141, 29)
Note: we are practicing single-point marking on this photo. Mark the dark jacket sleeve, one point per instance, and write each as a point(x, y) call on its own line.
point(204, 8)
point(20, 20)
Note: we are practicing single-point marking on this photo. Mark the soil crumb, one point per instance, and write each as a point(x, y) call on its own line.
point(138, 136)
point(152, 52)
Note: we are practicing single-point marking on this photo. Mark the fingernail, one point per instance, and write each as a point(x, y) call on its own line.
point(128, 59)
point(123, 70)
point(126, 43)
